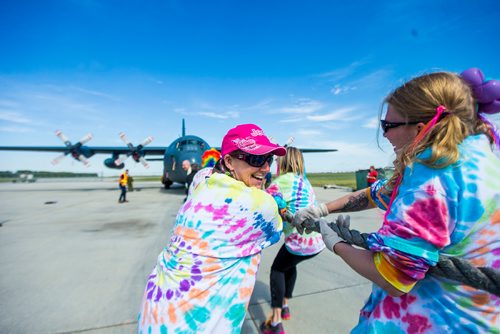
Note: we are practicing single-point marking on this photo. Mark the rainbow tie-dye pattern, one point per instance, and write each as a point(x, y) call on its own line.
point(298, 194)
point(453, 211)
point(204, 278)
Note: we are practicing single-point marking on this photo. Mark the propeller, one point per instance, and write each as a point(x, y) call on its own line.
point(75, 150)
point(134, 151)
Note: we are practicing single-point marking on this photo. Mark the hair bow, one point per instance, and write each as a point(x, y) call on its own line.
point(487, 93)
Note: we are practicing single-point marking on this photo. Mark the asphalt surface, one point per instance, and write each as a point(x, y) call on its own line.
point(74, 260)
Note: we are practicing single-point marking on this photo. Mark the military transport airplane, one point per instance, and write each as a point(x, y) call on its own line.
point(186, 147)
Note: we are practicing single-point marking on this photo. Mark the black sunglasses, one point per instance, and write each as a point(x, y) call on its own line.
point(254, 160)
point(386, 125)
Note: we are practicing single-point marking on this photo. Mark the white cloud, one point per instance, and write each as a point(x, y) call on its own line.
point(12, 116)
point(355, 149)
point(378, 78)
point(302, 106)
point(291, 120)
point(343, 73)
point(338, 89)
point(64, 105)
point(371, 123)
point(344, 114)
point(15, 129)
point(350, 156)
point(261, 105)
point(220, 115)
point(95, 93)
point(213, 115)
point(307, 133)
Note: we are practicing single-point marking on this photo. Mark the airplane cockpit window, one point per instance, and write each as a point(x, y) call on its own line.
point(190, 145)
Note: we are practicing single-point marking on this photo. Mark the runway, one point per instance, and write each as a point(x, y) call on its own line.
point(74, 260)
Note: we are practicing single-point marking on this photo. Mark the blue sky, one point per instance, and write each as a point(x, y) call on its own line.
point(314, 70)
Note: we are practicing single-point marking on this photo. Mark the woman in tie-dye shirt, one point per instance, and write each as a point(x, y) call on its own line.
point(297, 192)
point(445, 199)
point(203, 279)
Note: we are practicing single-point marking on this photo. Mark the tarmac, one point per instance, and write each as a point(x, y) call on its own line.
point(74, 260)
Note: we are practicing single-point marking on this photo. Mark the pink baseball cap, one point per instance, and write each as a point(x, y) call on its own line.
point(251, 139)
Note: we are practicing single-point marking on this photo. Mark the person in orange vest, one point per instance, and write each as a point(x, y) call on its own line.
point(123, 187)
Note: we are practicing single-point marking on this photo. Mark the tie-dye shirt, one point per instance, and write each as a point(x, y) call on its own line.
point(454, 211)
point(204, 278)
point(298, 194)
point(376, 194)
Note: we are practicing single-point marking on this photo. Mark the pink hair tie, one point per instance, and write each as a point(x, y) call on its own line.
point(440, 110)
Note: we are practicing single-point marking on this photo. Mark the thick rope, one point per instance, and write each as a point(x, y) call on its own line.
point(453, 268)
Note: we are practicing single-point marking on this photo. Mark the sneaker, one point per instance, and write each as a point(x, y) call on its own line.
point(267, 328)
point(285, 313)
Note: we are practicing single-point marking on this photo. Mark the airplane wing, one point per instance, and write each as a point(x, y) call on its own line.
point(34, 148)
point(308, 150)
point(94, 150)
point(82, 153)
point(317, 150)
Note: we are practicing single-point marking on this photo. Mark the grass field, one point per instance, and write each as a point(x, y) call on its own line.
point(345, 179)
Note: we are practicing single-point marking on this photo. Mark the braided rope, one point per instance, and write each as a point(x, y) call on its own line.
point(453, 268)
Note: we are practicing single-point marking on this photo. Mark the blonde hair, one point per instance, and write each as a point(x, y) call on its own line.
point(292, 161)
point(418, 99)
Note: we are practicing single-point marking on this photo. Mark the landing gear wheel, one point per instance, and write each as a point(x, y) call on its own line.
point(167, 183)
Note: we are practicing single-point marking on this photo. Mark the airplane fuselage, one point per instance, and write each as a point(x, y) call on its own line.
point(187, 147)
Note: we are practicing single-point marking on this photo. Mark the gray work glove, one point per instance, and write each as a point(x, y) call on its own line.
point(330, 237)
point(310, 213)
point(343, 222)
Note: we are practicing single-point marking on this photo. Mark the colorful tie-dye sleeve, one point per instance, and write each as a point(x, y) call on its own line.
point(377, 196)
point(414, 230)
point(274, 191)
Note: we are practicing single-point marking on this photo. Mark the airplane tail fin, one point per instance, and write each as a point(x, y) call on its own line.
point(183, 128)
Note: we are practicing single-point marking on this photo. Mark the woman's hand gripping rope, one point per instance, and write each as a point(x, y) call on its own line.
point(310, 213)
point(330, 231)
point(449, 267)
